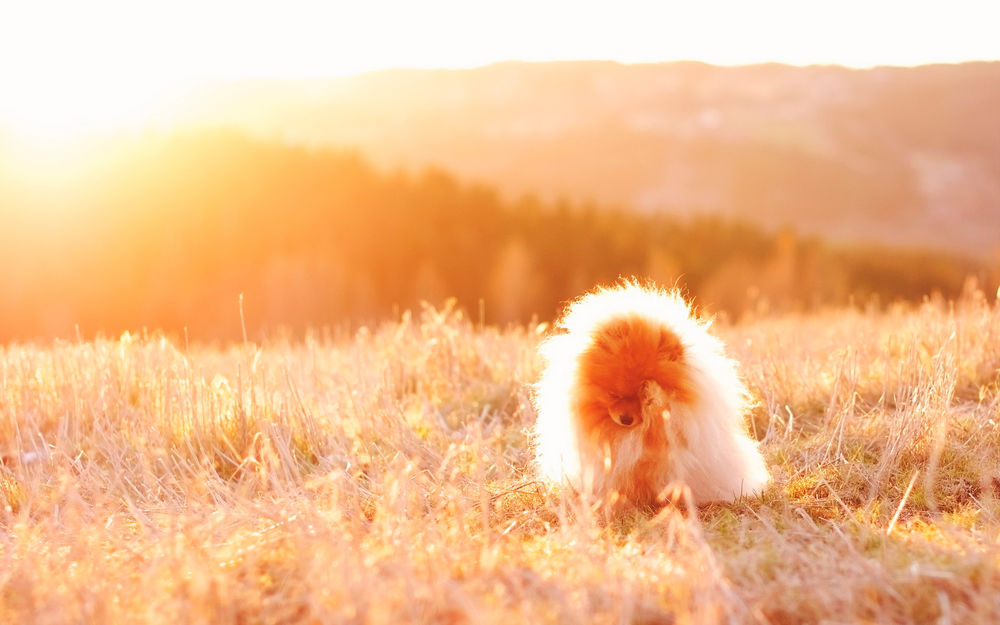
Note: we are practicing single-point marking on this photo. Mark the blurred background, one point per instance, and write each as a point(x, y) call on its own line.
point(336, 164)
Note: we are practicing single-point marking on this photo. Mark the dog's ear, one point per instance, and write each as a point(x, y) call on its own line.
point(610, 336)
point(669, 345)
point(616, 329)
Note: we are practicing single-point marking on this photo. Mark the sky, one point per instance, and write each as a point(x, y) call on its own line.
point(73, 65)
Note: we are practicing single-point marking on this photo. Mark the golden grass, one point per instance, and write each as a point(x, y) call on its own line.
point(384, 478)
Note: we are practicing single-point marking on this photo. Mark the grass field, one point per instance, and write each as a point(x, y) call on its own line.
point(384, 477)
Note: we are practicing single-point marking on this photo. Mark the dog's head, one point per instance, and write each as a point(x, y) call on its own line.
point(631, 372)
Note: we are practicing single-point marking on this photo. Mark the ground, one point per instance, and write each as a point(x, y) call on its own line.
point(383, 476)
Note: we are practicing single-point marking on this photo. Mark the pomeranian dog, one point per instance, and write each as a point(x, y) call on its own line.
point(637, 400)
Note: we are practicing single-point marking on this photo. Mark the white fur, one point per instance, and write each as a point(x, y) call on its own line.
point(719, 462)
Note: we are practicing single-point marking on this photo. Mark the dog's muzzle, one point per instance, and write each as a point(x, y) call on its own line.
point(624, 419)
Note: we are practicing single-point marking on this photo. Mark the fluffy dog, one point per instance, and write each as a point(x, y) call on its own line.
point(637, 398)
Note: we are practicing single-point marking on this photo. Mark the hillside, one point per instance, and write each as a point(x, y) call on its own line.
point(173, 232)
point(384, 477)
point(899, 155)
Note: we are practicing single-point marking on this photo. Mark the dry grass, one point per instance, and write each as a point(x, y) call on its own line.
point(384, 478)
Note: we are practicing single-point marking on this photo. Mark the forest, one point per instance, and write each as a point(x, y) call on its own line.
point(209, 233)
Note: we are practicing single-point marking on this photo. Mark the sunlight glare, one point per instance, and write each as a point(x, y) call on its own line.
point(68, 69)
point(59, 110)
point(50, 126)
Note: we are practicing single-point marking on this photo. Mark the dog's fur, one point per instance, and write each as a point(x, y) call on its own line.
point(637, 399)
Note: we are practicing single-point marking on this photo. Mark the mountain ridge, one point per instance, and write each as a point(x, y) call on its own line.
point(889, 154)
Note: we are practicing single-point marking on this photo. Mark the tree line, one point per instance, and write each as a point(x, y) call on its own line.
point(168, 232)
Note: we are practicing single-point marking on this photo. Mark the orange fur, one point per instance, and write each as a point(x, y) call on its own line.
point(637, 397)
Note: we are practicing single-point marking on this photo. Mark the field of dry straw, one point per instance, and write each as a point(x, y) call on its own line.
point(383, 477)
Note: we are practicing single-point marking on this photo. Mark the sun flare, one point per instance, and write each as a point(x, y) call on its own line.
point(49, 127)
point(62, 109)
point(68, 69)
